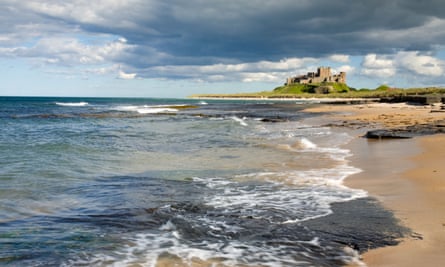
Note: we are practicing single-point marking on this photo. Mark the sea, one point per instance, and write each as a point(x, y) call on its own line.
point(172, 182)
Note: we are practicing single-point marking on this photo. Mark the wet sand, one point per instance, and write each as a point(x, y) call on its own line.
point(407, 176)
point(417, 196)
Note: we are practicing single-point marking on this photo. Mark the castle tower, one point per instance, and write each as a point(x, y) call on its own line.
point(289, 81)
point(342, 77)
point(324, 73)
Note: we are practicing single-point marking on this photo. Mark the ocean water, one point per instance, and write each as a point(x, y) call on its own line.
point(168, 182)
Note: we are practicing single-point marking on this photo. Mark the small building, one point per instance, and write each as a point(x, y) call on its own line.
point(323, 74)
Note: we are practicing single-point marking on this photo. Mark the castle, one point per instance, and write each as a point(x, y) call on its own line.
point(323, 74)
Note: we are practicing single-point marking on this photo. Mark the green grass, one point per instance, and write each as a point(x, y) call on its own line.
point(310, 88)
point(339, 91)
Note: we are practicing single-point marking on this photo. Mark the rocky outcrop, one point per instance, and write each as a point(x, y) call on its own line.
point(407, 132)
point(416, 99)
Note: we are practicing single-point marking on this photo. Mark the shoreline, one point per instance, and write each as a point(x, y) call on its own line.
point(406, 175)
point(416, 196)
point(315, 100)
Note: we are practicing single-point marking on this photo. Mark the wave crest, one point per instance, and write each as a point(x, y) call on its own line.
point(72, 104)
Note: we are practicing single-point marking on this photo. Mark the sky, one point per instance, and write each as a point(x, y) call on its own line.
point(175, 48)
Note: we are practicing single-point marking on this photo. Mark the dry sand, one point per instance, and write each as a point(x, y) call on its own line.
point(408, 176)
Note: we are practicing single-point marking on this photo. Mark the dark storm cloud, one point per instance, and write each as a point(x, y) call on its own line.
point(199, 32)
point(191, 31)
point(428, 8)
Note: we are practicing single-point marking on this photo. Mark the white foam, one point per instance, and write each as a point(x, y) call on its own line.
point(314, 242)
point(296, 195)
point(126, 108)
point(145, 109)
point(304, 143)
point(153, 110)
point(168, 226)
point(311, 191)
point(239, 120)
point(353, 257)
point(148, 250)
point(72, 104)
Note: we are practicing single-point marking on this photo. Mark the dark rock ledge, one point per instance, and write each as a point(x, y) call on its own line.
point(407, 132)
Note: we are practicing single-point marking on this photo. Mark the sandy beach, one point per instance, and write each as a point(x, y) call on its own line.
point(406, 175)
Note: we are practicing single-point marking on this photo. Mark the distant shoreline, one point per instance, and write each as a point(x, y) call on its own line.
point(336, 100)
point(424, 96)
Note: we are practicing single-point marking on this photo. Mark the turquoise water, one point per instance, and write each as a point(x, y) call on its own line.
point(137, 182)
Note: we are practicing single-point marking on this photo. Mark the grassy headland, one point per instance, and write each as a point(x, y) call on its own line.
point(330, 90)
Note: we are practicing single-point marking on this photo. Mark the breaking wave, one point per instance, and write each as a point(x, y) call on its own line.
point(72, 104)
point(146, 109)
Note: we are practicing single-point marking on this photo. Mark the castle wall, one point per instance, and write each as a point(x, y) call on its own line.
point(323, 74)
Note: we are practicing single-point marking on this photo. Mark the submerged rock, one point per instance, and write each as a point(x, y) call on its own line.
point(361, 224)
point(273, 120)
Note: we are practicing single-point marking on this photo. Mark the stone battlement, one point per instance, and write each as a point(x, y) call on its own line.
point(323, 74)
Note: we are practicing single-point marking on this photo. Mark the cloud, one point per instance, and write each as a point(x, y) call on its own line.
point(379, 66)
point(213, 40)
point(403, 63)
point(379, 73)
point(247, 30)
point(373, 61)
point(420, 64)
point(246, 72)
point(99, 12)
point(339, 58)
point(69, 51)
point(126, 76)
point(345, 68)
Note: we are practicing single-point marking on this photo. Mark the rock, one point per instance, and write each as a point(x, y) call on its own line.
point(388, 134)
point(407, 132)
point(415, 99)
point(273, 120)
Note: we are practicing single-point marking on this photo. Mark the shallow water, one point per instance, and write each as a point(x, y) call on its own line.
point(144, 182)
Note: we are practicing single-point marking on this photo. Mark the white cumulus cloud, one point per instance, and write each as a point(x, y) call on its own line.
point(420, 64)
point(262, 71)
point(339, 58)
point(379, 66)
point(345, 68)
point(126, 76)
point(69, 51)
point(405, 66)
